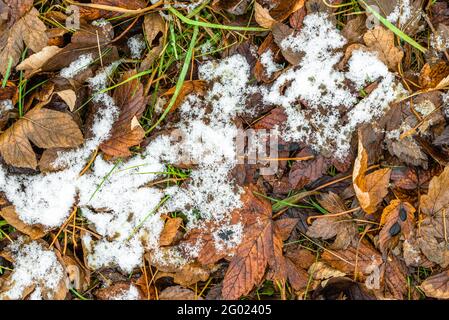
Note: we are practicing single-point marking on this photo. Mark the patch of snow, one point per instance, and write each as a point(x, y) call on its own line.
point(33, 265)
point(77, 66)
point(267, 61)
point(401, 13)
point(6, 105)
point(136, 45)
point(100, 22)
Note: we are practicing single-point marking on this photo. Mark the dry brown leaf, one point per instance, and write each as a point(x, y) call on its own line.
point(45, 128)
point(285, 226)
point(433, 238)
point(381, 40)
point(321, 271)
point(190, 274)
point(153, 25)
point(397, 219)
point(190, 86)
point(261, 246)
point(305, 171)
point(340, 227)
point(126, 131)
point(437, 198)
point(285, 8)
point(178, 293)
point(168, 234)
point(262, 16)
point(34, 62)
point(362, 259)
point(372, 188)
point(434, 75)
point(29, 30)
point(90, 13)
point(437, 286)
point(69, 97)
point(10, 215)
point(79, 277)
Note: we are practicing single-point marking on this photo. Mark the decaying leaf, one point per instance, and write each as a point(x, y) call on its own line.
point(126, 131)
point(434, 75)
point(397, 219)
point(153, 25)
point(372, 188)
point(45, 128)
point(121, 290)
point(34, 62)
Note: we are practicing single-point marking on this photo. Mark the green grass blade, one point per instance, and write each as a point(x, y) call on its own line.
point(8, 72)
point(392, 27)
point(180, 82)
point(212, 25)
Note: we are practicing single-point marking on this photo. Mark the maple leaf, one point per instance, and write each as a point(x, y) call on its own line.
point(28, 30)
point(126, 131)
point(437, 198)
point(372, 188)
point(261, 246)
point(45, 128)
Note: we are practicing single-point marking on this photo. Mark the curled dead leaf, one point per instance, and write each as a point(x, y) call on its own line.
point(34, 231)
point(372, 188)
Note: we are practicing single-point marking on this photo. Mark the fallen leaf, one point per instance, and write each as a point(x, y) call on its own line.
point(178, 293)
point(197, 87)
point(153, 25)
point(433, 238)
point(34, 62)
point(437, 198)
point(363, 260)
point(434, 75)
point(381, 40)
point(437, 286)
point(90, 13)
point(262, 16)
point(285, 8)
point(29, 30)
point(340, 227)
point(168, 234)
point(321, 271)
point(69, 97)
point(372, 188)
point(341, 288)
point(45, 128)
point(280, 32)
point(10, 215)
point(397, 219)
point(305, 171)
point(126, 133)
point(261, 246)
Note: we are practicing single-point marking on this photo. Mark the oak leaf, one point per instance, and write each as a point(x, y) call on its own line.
point(372, 188)
point(126, 131)
point(45, 128)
